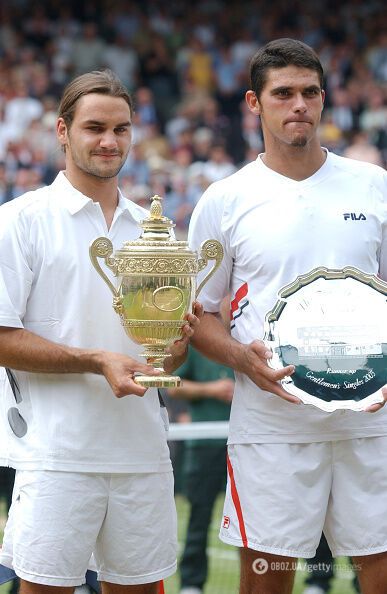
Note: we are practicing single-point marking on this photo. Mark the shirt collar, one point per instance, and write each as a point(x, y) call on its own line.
point(75, 201)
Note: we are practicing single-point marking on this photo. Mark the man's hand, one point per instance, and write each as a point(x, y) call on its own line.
point(255, 366)
point(378, 405)
point(178, 350)
point(119, 371)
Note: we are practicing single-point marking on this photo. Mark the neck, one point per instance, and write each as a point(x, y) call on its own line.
point(295, 162)
point(104, 191)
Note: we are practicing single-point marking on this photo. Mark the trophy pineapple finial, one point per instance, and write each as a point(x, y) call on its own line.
point(156, 209)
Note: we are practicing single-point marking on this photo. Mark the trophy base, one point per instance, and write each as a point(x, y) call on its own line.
point(158, 381)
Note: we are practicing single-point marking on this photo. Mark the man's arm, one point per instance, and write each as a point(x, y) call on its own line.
point(221, 389)
point(24, 351)
point(212, 340)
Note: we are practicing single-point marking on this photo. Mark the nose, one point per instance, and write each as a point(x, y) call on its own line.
point(108, 140)
point(299, 103)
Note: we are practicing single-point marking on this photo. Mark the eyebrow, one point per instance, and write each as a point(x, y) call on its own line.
point(98, 123)
point(290, 88)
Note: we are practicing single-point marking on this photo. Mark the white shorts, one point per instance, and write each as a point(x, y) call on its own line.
point(58, 519)
point(281, 496)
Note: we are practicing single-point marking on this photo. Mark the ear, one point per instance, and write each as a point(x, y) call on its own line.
point(61, 131)
point(323, 96)
point(253, 103)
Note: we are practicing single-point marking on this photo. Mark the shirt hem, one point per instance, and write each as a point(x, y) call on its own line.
point(255, 546)
point(6, 560)
point(340, 552)
point(11, 323)
point(154, 576)
point(236, 438)
point(43, 579)
point(87, 467)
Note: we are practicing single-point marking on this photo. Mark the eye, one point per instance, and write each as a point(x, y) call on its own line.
point(311, 92)
point(121, 130)
point(283, 93)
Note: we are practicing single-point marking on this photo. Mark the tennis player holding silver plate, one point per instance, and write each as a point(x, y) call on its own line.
point(332, 326)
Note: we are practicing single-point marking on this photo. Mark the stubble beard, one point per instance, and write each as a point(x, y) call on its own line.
point(86, 165)
point(97, 171)
point(299, 141)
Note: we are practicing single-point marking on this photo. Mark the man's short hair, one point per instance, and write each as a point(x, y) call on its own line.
point(104, 82)
point(279, 54)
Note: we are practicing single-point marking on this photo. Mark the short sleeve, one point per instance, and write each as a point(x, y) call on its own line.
point(206, 223)
point(15, 272)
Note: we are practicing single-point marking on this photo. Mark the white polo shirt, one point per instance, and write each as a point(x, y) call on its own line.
point(273, 229)
point(49, 286)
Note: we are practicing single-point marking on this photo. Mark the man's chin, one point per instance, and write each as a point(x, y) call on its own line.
point(299, 141)
point(107, 173)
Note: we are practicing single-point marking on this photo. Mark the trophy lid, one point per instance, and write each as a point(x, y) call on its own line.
point(156, 227)
point(156, 233)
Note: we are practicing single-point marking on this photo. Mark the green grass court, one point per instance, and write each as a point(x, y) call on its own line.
point(224, 566)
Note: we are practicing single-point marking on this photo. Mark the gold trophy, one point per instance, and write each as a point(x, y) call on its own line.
point(157, 285)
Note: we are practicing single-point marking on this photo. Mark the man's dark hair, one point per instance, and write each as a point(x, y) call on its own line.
point(279, 54)
point(105, 82)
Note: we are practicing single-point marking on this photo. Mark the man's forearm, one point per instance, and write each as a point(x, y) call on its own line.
point(190, 390)
point(24, 351)
point(212, 340)
point(173, 362)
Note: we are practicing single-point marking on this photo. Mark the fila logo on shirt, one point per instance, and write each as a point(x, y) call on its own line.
point(354, 217)
point(238, 304)
point(226, 522)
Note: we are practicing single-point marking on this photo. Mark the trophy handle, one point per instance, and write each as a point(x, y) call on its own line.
point(211, 249)
point(102, 248)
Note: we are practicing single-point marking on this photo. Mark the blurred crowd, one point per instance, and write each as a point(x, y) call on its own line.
point(187, 69)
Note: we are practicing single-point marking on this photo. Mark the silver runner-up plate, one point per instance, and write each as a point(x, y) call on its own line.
point(332, 326)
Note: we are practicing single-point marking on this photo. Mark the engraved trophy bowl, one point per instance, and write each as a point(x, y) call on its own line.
point(331, 324)
point(156, 286)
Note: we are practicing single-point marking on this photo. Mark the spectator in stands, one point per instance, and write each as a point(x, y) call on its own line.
point(122, 58)
point(362, 150)
point(219, 165)
point(229, 74)
point(22, 109)
point(198, 67)
point(88, 50)
point(373, 119)
point(180, 201)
